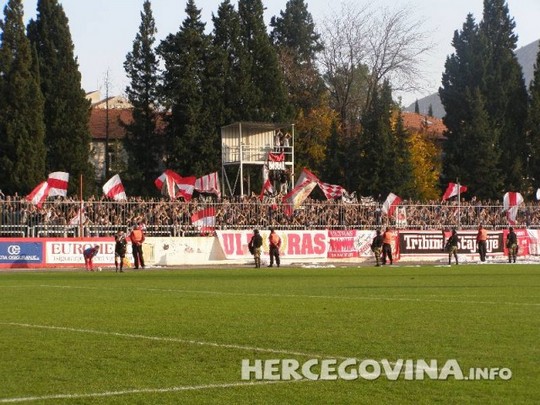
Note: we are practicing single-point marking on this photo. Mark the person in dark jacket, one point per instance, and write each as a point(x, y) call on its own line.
point(254, 247)
point(452, 247)
point(120, 247)
point(376, 247)
point(512, 245)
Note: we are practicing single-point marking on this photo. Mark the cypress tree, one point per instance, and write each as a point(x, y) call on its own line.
point(190, 132)
point(269, 102)
point(504, 90)
point(533, 127)
point(416, 107)
point(22, 130)
point(143, 142)
point(67, 111)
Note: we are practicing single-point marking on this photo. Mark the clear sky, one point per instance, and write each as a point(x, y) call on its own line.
point(103, 30)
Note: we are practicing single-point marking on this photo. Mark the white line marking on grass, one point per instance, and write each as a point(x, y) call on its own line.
point(140, 391)
point(171, 339)
point(332, 297)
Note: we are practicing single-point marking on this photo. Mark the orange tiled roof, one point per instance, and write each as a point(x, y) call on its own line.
point(418, 122)
point(98, 120)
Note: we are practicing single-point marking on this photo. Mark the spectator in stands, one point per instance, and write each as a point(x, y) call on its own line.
point(89, 254)
point(137, 238)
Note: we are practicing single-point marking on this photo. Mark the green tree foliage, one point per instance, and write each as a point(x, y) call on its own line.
point(143, 141)
point(484, 69)
point(269, 102)
point(22, 131)
point(533, 127)
point(191, 139)
point(416, 107)
point(67, 110)
point(504, 91)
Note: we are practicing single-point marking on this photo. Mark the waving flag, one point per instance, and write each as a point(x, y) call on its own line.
point(511, 201)
point(452, 190)
point(39, 194)
point(302, 189)
point(114, 189)
point(205, 219)
point(208, 184)
point(173, 185)
point(332, 191)
point(267, 188)
point(58, 184)
point(392, 201)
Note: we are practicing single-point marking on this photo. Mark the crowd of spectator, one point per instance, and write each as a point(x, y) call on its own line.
point(101, 217)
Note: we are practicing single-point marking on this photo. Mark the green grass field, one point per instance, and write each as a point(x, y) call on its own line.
point(179, 336)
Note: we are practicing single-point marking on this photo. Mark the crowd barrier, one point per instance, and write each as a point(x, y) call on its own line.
point(230, 247)
point(100, 218)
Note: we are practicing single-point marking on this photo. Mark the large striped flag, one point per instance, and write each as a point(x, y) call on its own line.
point(204, 219)
point(173, 185)
point(114, 189)
point(305, 184)
point(39, 194)
point(511, 201)
point(452, 190)
point(55, 185)
point(209, 184)
point(392, 201)
point(58, 184)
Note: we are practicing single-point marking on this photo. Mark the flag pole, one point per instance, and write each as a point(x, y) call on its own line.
point(459, 202)
point(81, 206)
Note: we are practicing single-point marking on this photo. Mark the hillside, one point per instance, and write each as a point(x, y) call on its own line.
point(526, 58)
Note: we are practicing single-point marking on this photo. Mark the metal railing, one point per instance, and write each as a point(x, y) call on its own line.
point(60, 218)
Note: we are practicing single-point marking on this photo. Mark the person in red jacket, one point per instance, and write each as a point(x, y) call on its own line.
point(137, 239)
point(275, 244)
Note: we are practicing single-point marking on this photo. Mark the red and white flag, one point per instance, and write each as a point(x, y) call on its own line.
point(173, 185)
point(305, 184)
point(79, 218)
point(39, 194)
point(392, 201)
point(267, 188)
point(332, 191)
point(452, 190)
point(511, 201)
point(205, 219)
point(58, 184)
point(209, 184)
point(114, 189)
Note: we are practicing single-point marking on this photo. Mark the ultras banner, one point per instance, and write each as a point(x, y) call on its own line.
point(294, 244)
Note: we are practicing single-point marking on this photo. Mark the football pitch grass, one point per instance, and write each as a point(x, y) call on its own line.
point(180, 335)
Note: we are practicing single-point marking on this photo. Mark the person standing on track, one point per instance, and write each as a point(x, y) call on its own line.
point(275, 244)
point(481, 242)
point(137, 239)
point(388, 240)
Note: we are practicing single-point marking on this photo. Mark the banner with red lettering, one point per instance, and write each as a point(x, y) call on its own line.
point(294, 244)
